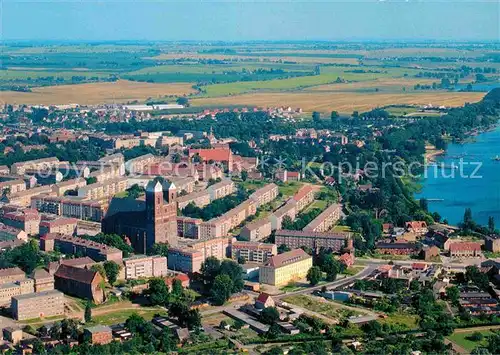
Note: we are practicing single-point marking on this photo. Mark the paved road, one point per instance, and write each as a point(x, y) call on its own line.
point(334, 284)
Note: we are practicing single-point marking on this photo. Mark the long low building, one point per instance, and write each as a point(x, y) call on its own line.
point(219, 227)
point(103, 190)
point(256, 230)
point(293, 239)
point(326, 219)
point(140, 266)
point(265, 194)
point(69, 207)
point(199, 199)
point(79, 246)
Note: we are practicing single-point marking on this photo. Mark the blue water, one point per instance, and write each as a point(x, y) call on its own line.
point(481, 87)
point(459, 191)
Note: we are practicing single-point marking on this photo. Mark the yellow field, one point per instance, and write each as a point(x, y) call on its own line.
point(95, 93)
point(382, 83)
point(341, 101)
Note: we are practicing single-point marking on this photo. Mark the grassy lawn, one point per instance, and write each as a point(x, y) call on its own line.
point(408, 320)
point(316, 204)
point(353, 270)
point(326, 308)
point(120, 316)
point(291, 287)
point(461, 339)
point(289, 188)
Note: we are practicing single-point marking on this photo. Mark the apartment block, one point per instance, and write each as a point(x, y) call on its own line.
point(221, 189)
point(23, 198)
point(185, 259)
point(61, 225)
point(8, 233)
point(28, 220)
point(188, 227)
point(38, 305)
point(79, 246)
point(287, 210)
point(256, 230)
point(265, 194)
point(220, 226)
point(199, 199)
point(11, 274)
point(141, 266)
point(253, 251)
point(284, 268)
point(69, 207)
point(136, 165)
point(12, 186)
point(37, 164)
point(16, 288)
point(103, 190)
point(315, 240)
point(304, 196)
point(68, 185)
point(326, 219)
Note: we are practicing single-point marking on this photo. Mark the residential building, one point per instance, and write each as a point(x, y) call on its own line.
point(16, 288)
point(69, 185)
point(263, 301)
point(417, 227)
point(61, 225)
point(43, 281)
point(69, 207)
point(396, 248)
point(284, 268)
point(465, 249)
point(13, 335)
point(265, 194)
point(217, 247)
point(12, 186)
point(103, 190)
point(304, 196)
point(37, 164)
point(10, 233)
point(188, 227)
point(430, 253)
point(199, 199)
point(326, 219)
point(185, 259)
point(78, 282)
point(492, 243)
point(142, 266)
point(287, 210)
point(253, 251)
point(221, 189)
point(38, 305)
point(347, 259)
point(23, 198)
point(12, 274)
point(136, 165)
point(256, 230)
point(335, 241)
point(83, 262)
point(67, 244)
point(183, 278)
point(222, 225)
point(99, 334)
point(28, 220)
point(145, 222)
point(45, 177)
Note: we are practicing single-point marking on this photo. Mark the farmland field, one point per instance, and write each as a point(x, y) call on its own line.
point(95, 93)
point(342, 102)
point(312, 76)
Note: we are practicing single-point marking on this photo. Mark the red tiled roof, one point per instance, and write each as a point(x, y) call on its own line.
point(288, 258)
point(419, 266)
point(263, 297)
point(75, 273)
point(463, 246)
point(215, 154)
point(416, 224)
point(304, 190)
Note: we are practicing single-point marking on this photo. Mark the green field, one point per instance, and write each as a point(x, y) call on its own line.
point(461, 339)
point(120, 316)
point(324, 307)
point(289, 188)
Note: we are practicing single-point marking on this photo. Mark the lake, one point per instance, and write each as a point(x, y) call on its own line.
point(454, 191)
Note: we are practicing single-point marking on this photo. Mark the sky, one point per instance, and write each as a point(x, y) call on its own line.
point(243, 20)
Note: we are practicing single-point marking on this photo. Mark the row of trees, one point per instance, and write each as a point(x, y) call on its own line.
point(221, 279)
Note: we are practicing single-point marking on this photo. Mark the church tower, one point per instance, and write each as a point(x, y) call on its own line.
point(154, 212)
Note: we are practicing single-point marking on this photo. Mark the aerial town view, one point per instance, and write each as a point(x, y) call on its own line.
point(289, 177)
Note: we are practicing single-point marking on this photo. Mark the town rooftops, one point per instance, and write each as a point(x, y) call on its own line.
point(303, 192)
point(283, 210)
point(263, 297)
point(10, 230)
point(287, 258)
point(12, 271)
point(98, 329)
point(263, 190)
point(383, 245)
point(38, 294)
point(416, 224)
point(22, 215)
point(74, 273)
point(465, 246)
point(103, 248)
point(253, 245)
point(257, 223)
point(40, 274)
point(311, 234)
point(57, 222)
point(215, 154)
point(323, 216)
